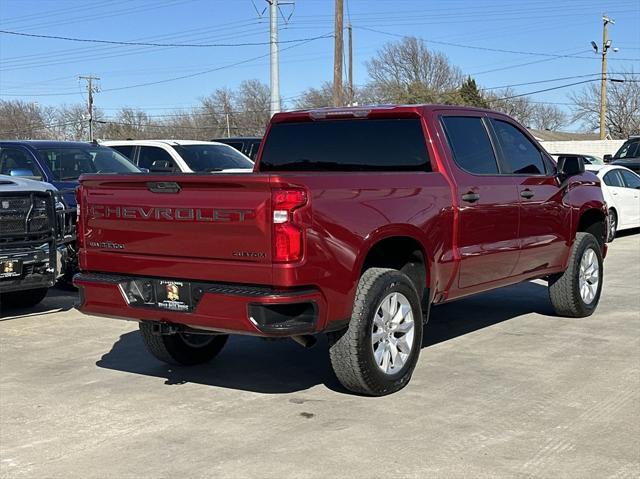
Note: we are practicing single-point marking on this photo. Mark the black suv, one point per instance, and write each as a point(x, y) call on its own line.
point(628, 155)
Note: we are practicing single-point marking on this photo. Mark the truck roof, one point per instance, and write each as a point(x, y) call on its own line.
point(370, 111)
point(37, 144)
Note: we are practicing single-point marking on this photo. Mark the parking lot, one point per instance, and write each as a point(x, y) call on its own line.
point(502, 389)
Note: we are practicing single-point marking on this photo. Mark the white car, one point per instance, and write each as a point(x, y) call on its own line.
point(621, 191)
point(182, 156)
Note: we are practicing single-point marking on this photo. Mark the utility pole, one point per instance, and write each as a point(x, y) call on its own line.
point(338, 55)
point(350, 70)
point(275, 64)
point(606, 44)
point(90, 91)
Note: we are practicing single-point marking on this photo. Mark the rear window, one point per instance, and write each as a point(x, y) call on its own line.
point(205, 158)
point(346, 145)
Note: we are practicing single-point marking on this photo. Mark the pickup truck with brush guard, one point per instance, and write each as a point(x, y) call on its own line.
point(354, 222)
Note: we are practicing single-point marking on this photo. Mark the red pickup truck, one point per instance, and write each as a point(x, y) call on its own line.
point(353, 223)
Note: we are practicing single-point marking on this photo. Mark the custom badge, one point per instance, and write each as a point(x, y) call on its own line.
point(173, 292)
point(173, 295)
point(10, 268)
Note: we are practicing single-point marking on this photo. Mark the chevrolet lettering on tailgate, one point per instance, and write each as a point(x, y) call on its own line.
point(171, 214)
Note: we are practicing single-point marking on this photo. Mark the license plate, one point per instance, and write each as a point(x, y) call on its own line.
point(173, 295)
point(10, 268)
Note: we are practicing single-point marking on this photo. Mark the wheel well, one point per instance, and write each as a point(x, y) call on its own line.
point(402, 253)
point(593, 221)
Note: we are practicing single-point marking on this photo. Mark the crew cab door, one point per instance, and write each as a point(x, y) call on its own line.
point(487, 202)
point(625, 196)
point(632, 191)
point(544, 219)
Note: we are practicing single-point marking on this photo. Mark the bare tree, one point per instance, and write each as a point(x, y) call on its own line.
point(323, 96)
point(623, 106)
point(519, 108)
point(25, 120)
point(408, 72)
point(548, 117)
point(218, 110)
point(253, 104)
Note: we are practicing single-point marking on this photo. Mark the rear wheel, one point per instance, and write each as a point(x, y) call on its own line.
point(576, 292)
point(377, 353)
point(23, 299)
point(184, 349)
point(613, 224)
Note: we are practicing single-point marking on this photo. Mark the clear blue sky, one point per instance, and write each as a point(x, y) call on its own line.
point(33, 68)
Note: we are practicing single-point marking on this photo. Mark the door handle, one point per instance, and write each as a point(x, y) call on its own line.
point(470, 197)
point(527, 193)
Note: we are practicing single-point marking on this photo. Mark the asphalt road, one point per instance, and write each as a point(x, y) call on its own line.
point(502, 389)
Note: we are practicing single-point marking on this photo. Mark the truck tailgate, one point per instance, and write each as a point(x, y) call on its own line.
point(222, 217)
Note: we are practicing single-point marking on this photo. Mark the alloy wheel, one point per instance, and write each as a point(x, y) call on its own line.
point(392, 333)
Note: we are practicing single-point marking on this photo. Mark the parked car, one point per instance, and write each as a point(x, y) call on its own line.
point(356, 221)
point(61, 163)
point(587, 159)
point(621, 191)
point(628, 155)
point(249, 145)
point(33, 237)
point(186, 156)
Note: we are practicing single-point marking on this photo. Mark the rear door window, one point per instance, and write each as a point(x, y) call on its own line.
point(155, 159)
point(470, 144)
point(613, 178)
point(126, 150)
point(521, 155)
point(346, 145)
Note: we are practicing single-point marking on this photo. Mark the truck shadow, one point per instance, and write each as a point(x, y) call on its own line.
point(278, 367)
point(57, 300)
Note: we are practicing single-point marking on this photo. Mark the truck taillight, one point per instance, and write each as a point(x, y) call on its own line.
point(79, 227)
point(287, 235)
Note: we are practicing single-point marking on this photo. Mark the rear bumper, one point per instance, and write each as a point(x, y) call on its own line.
point(219, 307)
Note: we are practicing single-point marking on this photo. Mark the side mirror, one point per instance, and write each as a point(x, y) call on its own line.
point(607, 158)
point(161, 166)
point(144, 170)
point(24, 173)
point(570, 166)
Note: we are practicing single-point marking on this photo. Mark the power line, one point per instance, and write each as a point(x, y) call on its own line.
point(497, 50)
point(546, 89)
point(152, 44)
point(545, 81)
point(183, 77)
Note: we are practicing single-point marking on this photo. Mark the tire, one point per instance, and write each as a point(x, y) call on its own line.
point(573, 293)
point(613, 225)
point(24, 299)
point(181, 348)
point(355, 354)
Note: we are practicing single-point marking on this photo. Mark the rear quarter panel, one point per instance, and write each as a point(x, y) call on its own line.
point(351, 212)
